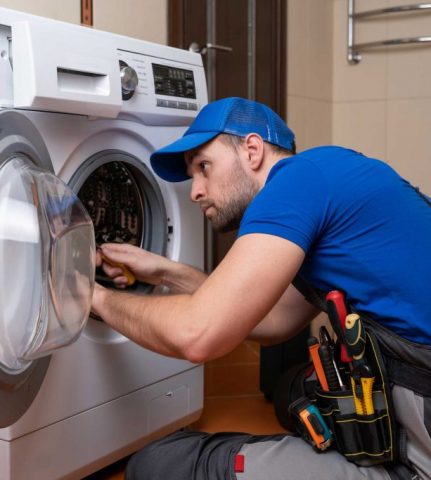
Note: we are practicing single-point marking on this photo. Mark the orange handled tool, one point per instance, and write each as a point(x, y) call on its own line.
point(313, 348)
point(131, 279)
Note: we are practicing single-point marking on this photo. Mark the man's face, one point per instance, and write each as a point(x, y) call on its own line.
point(220, 183)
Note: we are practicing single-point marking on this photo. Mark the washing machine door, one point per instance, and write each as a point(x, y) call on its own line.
point(47, 255)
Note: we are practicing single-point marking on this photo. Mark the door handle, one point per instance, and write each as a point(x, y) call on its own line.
point(202, 49)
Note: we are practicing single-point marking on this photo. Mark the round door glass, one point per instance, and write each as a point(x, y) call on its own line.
point(47, 253)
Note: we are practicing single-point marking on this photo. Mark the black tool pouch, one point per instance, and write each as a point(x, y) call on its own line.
point(366, 440)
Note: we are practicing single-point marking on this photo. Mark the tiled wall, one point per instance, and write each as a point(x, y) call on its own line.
point(309, 60)
point(64, 10)
point(382, 106)
point(144, 19)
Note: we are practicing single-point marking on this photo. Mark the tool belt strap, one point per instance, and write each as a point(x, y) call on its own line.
point(408, 364)
point(409, 376)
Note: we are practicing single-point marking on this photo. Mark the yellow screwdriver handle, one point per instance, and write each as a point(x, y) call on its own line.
point(131, 279)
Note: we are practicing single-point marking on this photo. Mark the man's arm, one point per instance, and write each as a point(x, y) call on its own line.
point(220, 314)
point(288, 317)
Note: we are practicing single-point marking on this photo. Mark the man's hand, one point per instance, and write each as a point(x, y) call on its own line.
point(148, 267)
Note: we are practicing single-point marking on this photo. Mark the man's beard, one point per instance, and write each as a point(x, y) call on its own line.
point(238, 191)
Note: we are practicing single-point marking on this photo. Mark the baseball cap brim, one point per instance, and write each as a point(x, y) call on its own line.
point(169, 163)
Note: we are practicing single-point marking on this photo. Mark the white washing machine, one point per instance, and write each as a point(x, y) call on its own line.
point(86, 107)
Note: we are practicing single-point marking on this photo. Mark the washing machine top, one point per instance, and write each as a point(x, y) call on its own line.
point(54, 66)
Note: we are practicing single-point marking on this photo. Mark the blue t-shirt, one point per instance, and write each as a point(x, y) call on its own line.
point(363, 228)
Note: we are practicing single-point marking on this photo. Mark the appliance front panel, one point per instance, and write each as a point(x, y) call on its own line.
point(148, 105)
point(103, 365)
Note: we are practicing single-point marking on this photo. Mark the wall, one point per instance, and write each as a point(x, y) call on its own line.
point(64, 10)
point(144, 19)
point(309, 71)
point(382, 106)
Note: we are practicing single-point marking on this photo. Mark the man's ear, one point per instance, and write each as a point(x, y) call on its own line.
point(255, 148)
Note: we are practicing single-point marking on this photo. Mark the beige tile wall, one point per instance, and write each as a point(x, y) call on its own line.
point(382, 106)
point(144, 19)
point(64, 10)
point(309, 61)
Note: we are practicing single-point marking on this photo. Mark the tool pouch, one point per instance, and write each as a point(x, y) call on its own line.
point(365, 439)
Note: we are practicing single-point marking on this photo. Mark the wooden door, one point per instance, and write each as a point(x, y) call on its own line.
point(255, 30)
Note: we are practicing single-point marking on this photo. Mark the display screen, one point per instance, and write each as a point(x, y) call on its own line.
point(175, 82)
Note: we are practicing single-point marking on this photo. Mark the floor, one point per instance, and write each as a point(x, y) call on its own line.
point(233, 402)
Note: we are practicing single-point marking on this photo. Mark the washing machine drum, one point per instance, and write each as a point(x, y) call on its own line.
point(47, 258)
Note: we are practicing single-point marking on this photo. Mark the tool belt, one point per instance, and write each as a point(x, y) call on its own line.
point(344, 419)
point(363, 423)
point(358, 418)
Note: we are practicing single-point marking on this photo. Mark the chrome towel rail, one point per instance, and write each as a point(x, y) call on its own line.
point(353, 49)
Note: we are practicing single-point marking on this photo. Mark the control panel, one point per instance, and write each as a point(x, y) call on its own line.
point(174, 82)
point(161, 89)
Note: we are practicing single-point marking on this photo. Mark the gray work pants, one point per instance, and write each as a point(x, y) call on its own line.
point(203, 456)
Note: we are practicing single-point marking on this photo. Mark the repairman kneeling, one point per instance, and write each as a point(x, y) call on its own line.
point(337, 220)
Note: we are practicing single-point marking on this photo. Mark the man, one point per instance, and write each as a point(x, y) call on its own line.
point(341, 220)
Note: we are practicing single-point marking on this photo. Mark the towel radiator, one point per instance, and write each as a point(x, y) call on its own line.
point(354, 49)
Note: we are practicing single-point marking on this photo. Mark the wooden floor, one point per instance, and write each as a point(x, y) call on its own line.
point(233, 402)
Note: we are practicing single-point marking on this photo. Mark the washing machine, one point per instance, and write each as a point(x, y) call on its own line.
point(81, 112)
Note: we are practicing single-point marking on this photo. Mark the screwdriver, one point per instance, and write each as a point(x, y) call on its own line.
point(337, 312)
point(131, 279)
point(355, 338)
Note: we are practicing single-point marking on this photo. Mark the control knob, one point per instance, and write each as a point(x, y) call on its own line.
point(129, 80)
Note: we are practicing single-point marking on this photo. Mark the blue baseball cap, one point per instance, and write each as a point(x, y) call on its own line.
point(233, 115)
